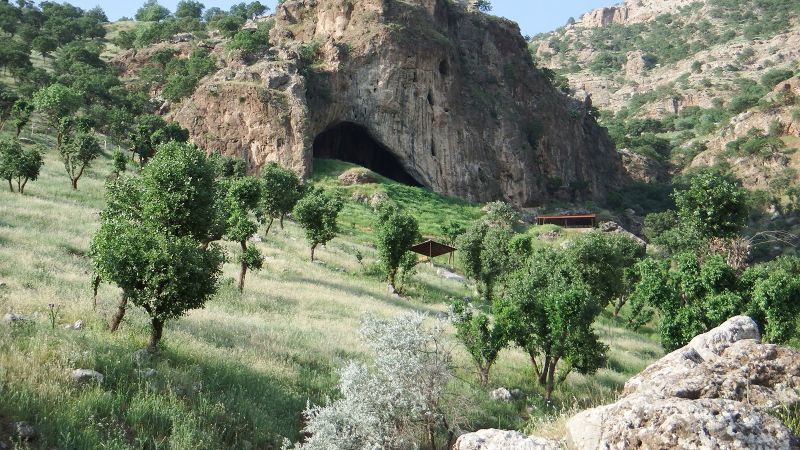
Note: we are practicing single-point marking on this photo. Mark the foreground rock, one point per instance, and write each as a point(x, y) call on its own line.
point(716, 392)
point(492, 439)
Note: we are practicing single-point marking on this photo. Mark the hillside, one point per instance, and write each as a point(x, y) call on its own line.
point(239, 372)
point(711, 71)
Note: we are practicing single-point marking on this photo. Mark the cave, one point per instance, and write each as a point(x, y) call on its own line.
point(352, 143)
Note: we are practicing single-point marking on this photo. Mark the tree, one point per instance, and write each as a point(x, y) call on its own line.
point(396, 402)
point(77, 153)
point(482, 5)
point(282, 189)
point(151, 11)
point(19, 164)
point(243, 197)
point(120, 162)
point(483, 339)
point(21, 115)
point(57, 102)
point(151, 241)
point(714, 204)
point(395, 233)
point(44, 45)
point(484, 252)
point(549, 311)
point(180, 274)
point(470, 244)
point(189, 9)
point(317, 212)
point(451, 230)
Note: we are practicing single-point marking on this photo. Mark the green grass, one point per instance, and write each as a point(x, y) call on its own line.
point(239, 372)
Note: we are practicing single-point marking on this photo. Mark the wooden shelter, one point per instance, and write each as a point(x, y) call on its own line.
point(432, 249)
point(569, 220)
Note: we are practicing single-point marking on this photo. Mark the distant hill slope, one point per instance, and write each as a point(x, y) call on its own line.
point(711, 70)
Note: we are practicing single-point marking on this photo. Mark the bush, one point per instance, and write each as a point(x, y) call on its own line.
point(774, 76)
point(397, 401)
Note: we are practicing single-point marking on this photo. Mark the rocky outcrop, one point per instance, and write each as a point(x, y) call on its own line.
point(492, 439)
point(448, 97)
point(716, 392)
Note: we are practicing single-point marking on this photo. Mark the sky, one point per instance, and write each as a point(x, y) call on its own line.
point(533, 16)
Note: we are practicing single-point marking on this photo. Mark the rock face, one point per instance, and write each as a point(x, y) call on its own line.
point(422, 91)
point(492, 439)
point(716, 392)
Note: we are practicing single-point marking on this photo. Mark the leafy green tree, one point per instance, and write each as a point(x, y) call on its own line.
point(77, 153)
point(549, 311)
point(282, 189)
point(470, 245)
point(120, 162)
point(151, 11)
point(189, 9)
point(317, 212)
point(57, 102)
point(714, 204)
point(21, 113)
point(395, 233)
point(180, 274)
point(160, 222)
point(243, 198)
point(451, 230)
point(44, 45)
point(690, 296)
point(19, 164)
point(483, 339)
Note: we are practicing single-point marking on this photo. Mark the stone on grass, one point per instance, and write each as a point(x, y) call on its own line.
point(24, 431)
point(501, 394)
point(11, 319)
point(142, 357)
point(492, 439)
point(84, 376)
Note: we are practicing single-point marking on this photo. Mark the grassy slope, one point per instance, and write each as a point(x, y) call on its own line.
point(241, 370)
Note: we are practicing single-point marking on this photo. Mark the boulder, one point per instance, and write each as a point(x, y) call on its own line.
point(492, 439)
point(142, 357)
point(613, 227)
point(84, 376)
point(24, 431)
point(11, 318)
point(716, 392)
point(357, 176)
point(501, 394)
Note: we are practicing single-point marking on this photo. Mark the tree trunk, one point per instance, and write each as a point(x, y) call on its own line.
point(155, 334)
point(117, 318)
point(548, 390)
point(392, 275)
point(10, 186)
point(313, 247)
point(243, 269)
point(483, 375)
point(95, 285)
point(74, 184)
point(620, 303)
point(22, 187)
point(269, 225)
point(281, 220)
point(19, 130)
point(543, 373)
point(536, 372)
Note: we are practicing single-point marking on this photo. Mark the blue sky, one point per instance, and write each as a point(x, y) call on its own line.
point(533, 16)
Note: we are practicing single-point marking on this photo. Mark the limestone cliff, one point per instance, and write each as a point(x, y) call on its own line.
point(421, 90)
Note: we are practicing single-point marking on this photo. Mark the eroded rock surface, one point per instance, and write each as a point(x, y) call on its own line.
point(492, 439)
point(716, 392)
point(450, 94)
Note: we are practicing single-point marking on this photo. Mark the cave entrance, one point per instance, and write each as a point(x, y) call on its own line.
point(352, 143)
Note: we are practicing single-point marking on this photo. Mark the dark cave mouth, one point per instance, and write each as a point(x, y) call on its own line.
point(352, 143)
